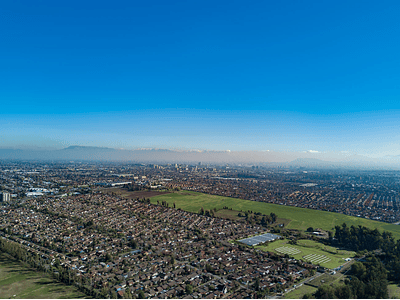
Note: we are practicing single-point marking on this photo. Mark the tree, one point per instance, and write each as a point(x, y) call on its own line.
point(209, 268)
point(273, 217)
point(133, 244)
point(359, 270)
point(257, 284)
point(189, 289)
point(141, 294)
point(108, 257)
point(307, 296)
point(325, 292)
point(344, 292)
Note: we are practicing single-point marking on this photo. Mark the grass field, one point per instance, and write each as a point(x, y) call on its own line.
point(301, 218)
point(300, 291)
point(228, 214)
point(20, 282)
point(394, 291)
point(327, 279)
point(308, 250)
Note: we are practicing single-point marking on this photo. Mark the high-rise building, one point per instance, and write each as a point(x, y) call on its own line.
point(5, 197)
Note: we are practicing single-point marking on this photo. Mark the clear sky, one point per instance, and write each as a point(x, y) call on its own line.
point(238, 75)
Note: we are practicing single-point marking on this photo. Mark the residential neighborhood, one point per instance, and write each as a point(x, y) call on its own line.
point(126, 246)
point(69, 219)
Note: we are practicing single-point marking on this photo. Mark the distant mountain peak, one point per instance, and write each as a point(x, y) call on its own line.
point(76, 147)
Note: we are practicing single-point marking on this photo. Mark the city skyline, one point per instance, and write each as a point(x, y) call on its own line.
point(288, 77)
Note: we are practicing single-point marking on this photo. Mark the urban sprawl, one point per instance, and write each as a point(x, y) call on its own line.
point(115, 246)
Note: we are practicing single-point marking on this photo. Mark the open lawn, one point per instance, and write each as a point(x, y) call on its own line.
point(228, 214)
point(326, 279)
point(301, 218)
point(20, 282)
point(394, 291)
point(308, 250)
point(300, 291)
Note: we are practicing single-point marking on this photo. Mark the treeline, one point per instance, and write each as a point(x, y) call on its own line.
point(207, 213)
point(144, 200)
point(133, 187)
point(258, 218)
point(362, 238)
point(165, 203)
point(368, 277)
point(368, 280)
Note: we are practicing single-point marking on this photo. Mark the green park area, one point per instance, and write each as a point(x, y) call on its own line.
point(20, 282)
point(311, 251)
point(394, 291)
point(299, 292)
point(300, 218)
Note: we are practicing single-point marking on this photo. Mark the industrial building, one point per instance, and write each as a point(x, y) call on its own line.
point(255, 240)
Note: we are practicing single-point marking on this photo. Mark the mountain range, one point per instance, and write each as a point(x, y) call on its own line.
point(150, 155)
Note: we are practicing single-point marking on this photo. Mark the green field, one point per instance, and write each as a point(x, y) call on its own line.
point(228, 214)
point(20, 282)
point(394, 291)
point(301, 218)
point(300, 291)
point(308, 250)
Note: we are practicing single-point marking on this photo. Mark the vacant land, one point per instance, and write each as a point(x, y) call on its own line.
point(308, 250)
point(20, 282)
point(301, 218)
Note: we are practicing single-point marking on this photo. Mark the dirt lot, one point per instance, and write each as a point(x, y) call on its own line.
point(133, 195)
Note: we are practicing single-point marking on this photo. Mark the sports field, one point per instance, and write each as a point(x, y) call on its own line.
point(20, 282)
point(301, 218)
point(288, 250)
point(311, 251)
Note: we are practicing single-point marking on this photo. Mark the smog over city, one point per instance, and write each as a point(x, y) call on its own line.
point(199, 149)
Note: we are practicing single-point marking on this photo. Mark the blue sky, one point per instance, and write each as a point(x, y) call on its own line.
point(279, 75)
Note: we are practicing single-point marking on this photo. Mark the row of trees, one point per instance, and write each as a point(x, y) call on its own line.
point(144, 200)
point(164, 203)
point(208, 213)
point(135, 187)
point(259, 218)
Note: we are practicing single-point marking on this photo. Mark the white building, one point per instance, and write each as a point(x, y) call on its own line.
point(5, 197)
